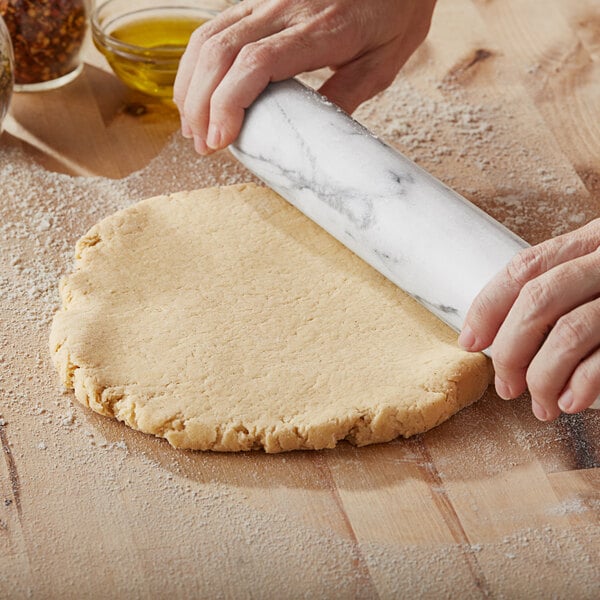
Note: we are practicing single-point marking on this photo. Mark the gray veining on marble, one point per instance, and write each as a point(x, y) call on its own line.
point(420, 234)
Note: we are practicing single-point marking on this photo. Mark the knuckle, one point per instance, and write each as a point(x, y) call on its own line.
point(334, 18)
point(196, 38)
point(526, 265)
point(592, 228)
point(536, 295)
point(255, 57)
point(194, 46)
point(503, 362)
point(194, 117)
point(220, 109)
point(586, 379)
point(539, 383)
point(216, 49)
point(571, 331)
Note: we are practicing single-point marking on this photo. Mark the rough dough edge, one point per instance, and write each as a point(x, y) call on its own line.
point(360, 428)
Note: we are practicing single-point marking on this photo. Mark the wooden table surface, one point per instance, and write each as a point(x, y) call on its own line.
point(502, 103)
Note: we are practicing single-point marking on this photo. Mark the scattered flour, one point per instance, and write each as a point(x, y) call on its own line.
point(525, 187)
point(191, 500)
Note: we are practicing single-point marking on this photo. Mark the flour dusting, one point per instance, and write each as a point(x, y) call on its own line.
point(98, 484)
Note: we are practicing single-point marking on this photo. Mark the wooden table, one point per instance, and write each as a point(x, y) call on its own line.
point(503, 103)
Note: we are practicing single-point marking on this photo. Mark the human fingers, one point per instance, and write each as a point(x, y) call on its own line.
point(273, 58)
point(281, 56)
point(541, 303)
point(561, 376)
point(285, 54)
point(189, 59)
point(583, 389)
point(233, 64)
point(215, 51)
point(492, 304)
point(303, 46)
point(370, 73)
point(361, 79)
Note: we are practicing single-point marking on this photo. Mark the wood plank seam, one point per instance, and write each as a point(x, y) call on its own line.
point(365, 586)
point(450, 516)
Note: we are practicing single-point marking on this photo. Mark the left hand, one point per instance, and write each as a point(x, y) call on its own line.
point(541, 315)
point(231, 58)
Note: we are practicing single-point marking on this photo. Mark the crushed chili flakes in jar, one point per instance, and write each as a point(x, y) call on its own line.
point(47, 36)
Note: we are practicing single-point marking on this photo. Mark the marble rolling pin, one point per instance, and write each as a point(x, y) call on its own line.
point(427, 239)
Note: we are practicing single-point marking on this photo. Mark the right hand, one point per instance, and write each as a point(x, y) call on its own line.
point(231, 59)
point(541, 314)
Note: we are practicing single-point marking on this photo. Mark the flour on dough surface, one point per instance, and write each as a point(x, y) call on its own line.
point(224, 319)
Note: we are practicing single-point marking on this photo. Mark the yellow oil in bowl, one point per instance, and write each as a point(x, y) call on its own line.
point(143, 48)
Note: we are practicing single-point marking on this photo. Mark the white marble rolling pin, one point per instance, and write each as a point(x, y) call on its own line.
point(424, 237)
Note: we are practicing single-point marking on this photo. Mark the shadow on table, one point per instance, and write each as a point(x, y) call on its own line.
point(485, 440)
point(92, 126)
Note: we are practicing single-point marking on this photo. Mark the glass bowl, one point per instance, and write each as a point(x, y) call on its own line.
point(143, 40)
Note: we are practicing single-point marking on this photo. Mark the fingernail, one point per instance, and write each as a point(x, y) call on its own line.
point(565, 402)
point(186, 130)
point(200, 145)
point(539, 411)
point(213, 140)
point(466, 339)
point(502, 389)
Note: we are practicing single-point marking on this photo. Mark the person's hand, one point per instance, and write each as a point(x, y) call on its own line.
point(542, 314)
point(231, 59)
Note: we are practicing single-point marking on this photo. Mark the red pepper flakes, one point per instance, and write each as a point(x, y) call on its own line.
point(46, 35)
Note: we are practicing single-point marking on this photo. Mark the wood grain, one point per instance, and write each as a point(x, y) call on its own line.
point(491, 504)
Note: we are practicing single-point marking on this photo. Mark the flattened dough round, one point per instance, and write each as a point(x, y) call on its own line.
point(223, 319)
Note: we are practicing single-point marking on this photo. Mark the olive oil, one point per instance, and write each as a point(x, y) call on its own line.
point(157, 32)
point(144, 52)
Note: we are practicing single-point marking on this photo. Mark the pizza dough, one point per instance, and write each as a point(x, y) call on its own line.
point(223, 319)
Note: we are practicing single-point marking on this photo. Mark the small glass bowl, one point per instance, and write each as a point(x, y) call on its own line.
point(143, 40)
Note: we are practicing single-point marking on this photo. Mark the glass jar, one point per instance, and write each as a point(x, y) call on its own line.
point(6, 71)
point(47, 36)
point(143, 40)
